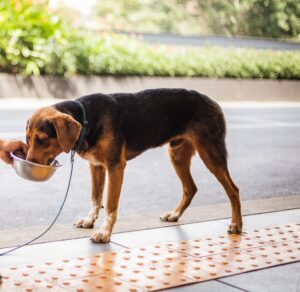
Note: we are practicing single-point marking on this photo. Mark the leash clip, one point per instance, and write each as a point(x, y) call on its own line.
point(73, 152)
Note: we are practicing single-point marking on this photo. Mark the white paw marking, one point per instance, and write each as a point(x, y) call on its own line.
point(233, 228)
point(100, 236)
point(84, 223)
point(169, 217)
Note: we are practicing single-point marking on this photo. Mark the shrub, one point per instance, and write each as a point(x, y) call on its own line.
point(34, 41)
point(30, 36)
point(120, 55)
point(267, 18)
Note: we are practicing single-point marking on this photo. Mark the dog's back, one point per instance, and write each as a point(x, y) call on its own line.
point(152, 117)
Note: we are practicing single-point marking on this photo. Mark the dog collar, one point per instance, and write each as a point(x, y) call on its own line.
point(83, 129)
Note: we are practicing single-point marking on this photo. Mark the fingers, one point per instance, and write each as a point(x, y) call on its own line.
point(24, 148)
point(6, 157)
point(14, 145)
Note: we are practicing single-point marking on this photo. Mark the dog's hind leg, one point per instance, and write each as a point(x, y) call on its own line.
point(98, 181)
point(181, 152)
point(214, 155)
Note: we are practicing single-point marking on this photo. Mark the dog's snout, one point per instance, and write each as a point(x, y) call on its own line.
point(32, 160)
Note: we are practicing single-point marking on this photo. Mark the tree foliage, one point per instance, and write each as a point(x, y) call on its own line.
point(155, 16)
point(31, 36)
point(36, 41)
point(260, 18)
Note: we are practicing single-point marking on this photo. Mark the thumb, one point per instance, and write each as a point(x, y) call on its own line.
point(24, 148)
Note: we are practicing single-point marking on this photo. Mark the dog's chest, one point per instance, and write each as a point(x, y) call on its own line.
point(92, 158)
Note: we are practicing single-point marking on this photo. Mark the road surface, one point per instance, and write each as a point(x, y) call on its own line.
point(264, 161)
point(220, 41)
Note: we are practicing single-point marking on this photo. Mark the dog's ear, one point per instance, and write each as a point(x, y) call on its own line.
point(67, 131)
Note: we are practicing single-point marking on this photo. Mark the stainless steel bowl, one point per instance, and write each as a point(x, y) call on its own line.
point(33, 171)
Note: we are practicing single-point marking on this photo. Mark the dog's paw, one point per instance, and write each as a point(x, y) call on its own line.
point(84, 223)
point(234, 228)
point(100, 236)
point(169, 217)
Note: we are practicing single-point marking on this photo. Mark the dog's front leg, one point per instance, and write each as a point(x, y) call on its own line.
point(98, 181)
point(115, 178)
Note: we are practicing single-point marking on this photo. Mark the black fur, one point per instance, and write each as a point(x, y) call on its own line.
point(123, 125)
point(148, 118)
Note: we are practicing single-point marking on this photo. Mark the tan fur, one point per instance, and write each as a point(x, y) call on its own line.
point(231, 189)
point(181, 159)
point(101, 153)
point(109, 156)
point(68, 131)
point(115, 179)
point(98, 181)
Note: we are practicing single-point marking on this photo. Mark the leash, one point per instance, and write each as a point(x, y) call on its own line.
point(73, 152)
point(56, 217)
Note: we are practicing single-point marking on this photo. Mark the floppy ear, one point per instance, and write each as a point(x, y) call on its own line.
point(67, 131)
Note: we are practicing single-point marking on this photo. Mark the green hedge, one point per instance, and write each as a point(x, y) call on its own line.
point(120, 55)
point(33, 42)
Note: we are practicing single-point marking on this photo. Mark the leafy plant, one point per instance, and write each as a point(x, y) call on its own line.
point(29, 36)
point(267, 18)
point(121, 55)
point(34, 41)
point(259, 18)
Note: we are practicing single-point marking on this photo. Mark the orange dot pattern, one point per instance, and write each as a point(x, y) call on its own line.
point(162, 265)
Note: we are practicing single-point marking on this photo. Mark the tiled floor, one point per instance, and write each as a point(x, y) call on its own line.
point(82, 249)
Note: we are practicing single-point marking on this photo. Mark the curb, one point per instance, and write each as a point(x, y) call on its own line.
point(12, 237)
point(218, 89)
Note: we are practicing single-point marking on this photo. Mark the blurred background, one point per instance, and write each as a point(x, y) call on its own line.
point(270, 18)
point(243, 53)
point(64, 37)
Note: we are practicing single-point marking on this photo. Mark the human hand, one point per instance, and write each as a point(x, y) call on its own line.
point(11, 146)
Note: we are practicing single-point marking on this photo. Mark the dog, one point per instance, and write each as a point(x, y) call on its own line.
point(121, 126)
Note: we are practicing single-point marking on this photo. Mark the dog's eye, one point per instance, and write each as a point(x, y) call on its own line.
point(39, 141)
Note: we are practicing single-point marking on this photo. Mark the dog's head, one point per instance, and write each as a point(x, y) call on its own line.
point(49, 133)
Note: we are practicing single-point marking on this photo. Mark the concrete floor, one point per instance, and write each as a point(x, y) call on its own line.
point(281, 278)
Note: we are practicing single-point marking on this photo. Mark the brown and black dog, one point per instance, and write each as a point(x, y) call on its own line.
point(122, 126)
